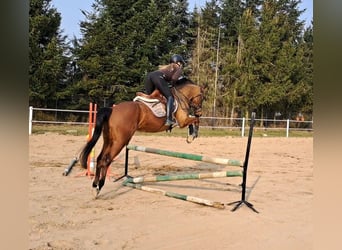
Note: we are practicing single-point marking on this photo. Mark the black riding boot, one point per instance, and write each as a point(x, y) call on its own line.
point(169, 111)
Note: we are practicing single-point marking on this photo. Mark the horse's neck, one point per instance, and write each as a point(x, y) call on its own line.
point(184, 90)
point(182, 97)
point(180, 94)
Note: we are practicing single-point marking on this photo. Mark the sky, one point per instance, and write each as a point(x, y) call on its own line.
point(72, 16)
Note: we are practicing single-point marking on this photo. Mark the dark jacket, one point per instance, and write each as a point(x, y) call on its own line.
point(172, 72)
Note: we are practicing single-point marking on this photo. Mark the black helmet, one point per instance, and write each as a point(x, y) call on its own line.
point(177, 59)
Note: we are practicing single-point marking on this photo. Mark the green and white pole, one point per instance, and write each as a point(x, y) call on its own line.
point(192, 176)
point(193, 157)
point(193, 199)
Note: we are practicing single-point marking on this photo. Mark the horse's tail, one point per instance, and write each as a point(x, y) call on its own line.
point(102, 116)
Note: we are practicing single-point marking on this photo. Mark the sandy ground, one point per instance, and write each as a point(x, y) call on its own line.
point(63, 213)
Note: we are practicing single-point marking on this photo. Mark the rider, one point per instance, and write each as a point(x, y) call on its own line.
point(159, 79)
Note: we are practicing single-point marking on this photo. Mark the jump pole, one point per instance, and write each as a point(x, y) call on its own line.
point(176, 195)
point(192, 157)
point(200, 158)
point(193, 176)
point(187, 156)
point(67, 170)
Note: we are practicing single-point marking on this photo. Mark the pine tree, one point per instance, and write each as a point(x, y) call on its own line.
point(47, 54)
point(300, 96)
point(180, 37)
point(246, 55)
point(231, 16)
point(205, 54)
point(123, 40)
point(105, 54)
point(246, 85)
point(254, 7)
point(280, 67)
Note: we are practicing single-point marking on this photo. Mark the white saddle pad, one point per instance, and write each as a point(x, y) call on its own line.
point(157, 108)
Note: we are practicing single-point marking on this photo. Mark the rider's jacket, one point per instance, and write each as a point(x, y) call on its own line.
point(172, 72)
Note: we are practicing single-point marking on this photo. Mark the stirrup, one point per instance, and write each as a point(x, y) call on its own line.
point(169, 123)
point(169, 126)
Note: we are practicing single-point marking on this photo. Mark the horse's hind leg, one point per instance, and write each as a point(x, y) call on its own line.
point(101, 164)
point(104, 160)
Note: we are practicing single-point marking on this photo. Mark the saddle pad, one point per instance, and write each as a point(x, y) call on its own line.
point(157, 108)
point(144, 99)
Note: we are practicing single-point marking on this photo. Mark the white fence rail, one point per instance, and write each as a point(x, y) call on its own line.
point(80, 117)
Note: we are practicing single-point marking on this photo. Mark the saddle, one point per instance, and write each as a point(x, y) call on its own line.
point(155, 101)
point(154, 95)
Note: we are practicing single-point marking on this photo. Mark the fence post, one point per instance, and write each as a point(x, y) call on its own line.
point(243, 127)
point(30, 119)
point(287, 127)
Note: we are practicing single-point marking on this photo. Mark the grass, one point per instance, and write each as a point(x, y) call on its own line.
point(203, 132)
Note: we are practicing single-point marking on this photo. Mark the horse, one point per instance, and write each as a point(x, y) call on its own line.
point(118, 124)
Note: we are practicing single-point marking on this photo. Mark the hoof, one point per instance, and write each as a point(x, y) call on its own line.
point(95, 192)
point(190, 139)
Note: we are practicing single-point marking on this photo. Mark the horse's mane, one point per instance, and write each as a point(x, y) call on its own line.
point(184, 80)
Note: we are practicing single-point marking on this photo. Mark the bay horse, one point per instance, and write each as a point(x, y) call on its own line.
point(119, 123)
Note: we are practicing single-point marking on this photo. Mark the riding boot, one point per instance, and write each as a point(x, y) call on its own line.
point(169, 111)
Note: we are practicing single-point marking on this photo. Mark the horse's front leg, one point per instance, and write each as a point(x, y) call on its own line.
point(192, 131)
point(193, 126)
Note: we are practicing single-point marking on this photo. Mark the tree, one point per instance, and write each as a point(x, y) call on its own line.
point(122, 41)
point(181, 35)
point(204, 55)
point(231, 16)
point(246, 83)
point(278, 64)
point(47, 54)
point(301, 95)
point(246, 54)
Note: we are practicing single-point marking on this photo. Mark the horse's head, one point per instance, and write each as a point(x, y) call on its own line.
point(193, 97)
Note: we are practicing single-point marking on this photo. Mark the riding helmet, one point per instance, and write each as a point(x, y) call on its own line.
point(177, 59)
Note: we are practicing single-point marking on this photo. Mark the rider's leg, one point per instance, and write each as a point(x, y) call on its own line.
point(149, 83)
point(169, 111)
point(160, 83)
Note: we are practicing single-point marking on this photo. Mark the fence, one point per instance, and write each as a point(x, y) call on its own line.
point(80, 117)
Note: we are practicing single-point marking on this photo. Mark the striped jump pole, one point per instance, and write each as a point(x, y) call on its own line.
point(184, 176)
point(193, 157)
point(176, 195)
point(136, 182)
